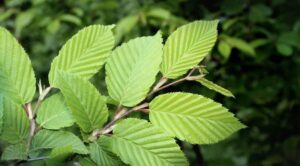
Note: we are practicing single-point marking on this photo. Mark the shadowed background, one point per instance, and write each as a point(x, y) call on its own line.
point(256, 57)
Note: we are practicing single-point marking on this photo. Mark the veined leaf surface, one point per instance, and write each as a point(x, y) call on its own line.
point(193, 118)
point(132, 68)
point(54, 114)
point(17, 80)
point(87, 105)
point(15, 152)
point(84, 54)
point(15, 122)
point(137, 142)
point(187, 46)
point(101, 152)
point(47, 139)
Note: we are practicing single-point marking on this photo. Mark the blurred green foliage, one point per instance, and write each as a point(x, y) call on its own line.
point(256, 57)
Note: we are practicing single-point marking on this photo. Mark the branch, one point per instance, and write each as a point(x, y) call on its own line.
point(109, 127)
point(32, 124)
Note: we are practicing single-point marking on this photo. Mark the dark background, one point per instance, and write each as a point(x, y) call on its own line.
point(258, 60)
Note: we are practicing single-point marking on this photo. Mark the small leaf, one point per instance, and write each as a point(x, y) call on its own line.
point(132, 68)
point(15, 122)
point(15, 152)
point(54, 114)
point(225, 49)
point(58, 155)
point(102, 154)
point(240, 44)
point(87, 105)
point(47, 139)
point(284, 49)
point(193, 118)
point(17, 79)
point(187, 46)
point(138, 142)
point(215, 87)
point(84, 54)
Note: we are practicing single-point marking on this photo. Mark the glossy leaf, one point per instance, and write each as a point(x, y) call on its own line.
point(193, 118)
point(54, 114)
point(187, 46)
point(84, 54)
point(132, 68)
point(87, 105)
point(137, 142)
point(17, 80)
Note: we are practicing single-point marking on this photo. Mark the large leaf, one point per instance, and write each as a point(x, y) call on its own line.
point(54, 114)
point(102, 154)
point(193, 118)
point(187, 46)
point(87, 105)
point(15, 122)
point(215, 87)
point(17, 79)
point(85, 53)
point(132, 68)
point(47, 139)
point(138, 142)
point(15, 152)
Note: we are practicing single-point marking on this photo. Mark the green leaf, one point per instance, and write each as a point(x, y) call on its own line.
point(15, 122)
point(187, 46)
point(15, 152)
point(240, 44)
point(47, 139)
point(101, 152)
point(85, 161)
point(87, 105)
point(125, 25)
point(58, 155)
point(284, 49)
point(225, 49)
point(215, 87)
point(23, 19)
point(138, 142)
point(132, 68)
point(17, 79)
point(85, 53)
point(193, 118)
point(54, 114)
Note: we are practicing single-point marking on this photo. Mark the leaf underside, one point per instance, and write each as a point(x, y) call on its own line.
point(137, 142)
point(15, 152)
point(193, 118)
point(187, 46)
point(132, 68)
